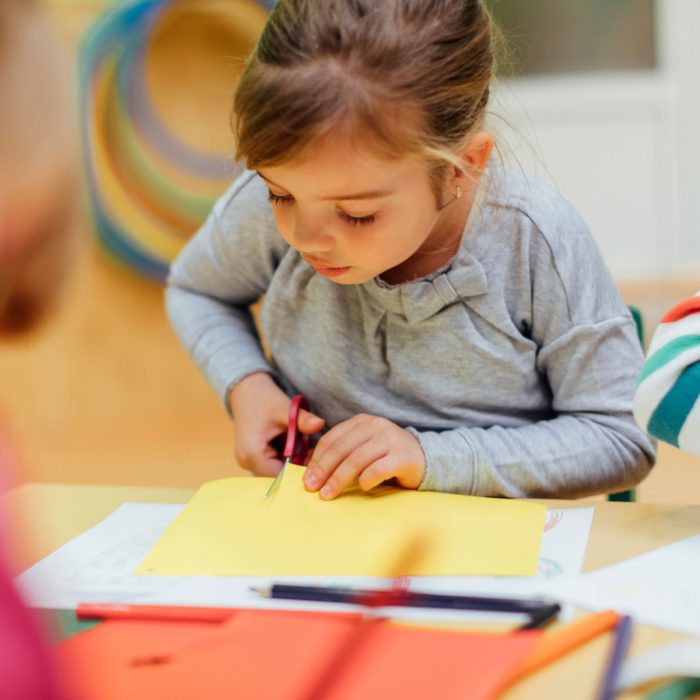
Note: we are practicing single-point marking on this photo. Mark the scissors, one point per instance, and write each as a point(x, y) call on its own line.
point(297, 447)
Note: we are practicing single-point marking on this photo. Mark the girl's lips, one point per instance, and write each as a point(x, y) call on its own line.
point(326, 270)
point(331, 271)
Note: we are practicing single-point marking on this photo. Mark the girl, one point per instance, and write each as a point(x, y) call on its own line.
point(452, 323)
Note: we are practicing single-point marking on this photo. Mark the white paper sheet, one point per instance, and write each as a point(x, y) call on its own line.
point(98, 566)
point(660, 588)
point(676, 659)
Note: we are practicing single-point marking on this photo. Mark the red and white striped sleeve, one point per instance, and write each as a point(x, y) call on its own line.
point(666, 401)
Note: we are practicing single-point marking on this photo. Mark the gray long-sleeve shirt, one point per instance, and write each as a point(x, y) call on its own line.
point(514, 365)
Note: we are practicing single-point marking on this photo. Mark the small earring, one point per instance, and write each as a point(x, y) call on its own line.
point(458, 194)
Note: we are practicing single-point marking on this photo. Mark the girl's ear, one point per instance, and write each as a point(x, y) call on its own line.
point(477, 152)
point(475, 155)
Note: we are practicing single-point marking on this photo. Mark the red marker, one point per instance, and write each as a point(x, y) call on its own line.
point(175, 613)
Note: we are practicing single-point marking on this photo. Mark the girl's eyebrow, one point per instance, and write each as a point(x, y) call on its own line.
point(371, 194)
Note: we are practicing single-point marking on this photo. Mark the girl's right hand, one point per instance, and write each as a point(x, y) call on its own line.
point(260, 412)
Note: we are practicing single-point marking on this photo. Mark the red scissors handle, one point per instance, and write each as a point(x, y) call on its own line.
point(297, 448)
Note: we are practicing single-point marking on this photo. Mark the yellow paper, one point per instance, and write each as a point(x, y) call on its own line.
point(228, 529)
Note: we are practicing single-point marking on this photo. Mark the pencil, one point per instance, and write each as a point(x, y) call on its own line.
point(541, 617)
point(623, 633)
point(401, 598)
point(173, 613)
point(562, 641)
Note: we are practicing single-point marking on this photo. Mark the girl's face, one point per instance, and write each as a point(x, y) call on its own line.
point(354, 215)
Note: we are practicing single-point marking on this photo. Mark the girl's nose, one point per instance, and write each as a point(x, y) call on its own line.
point(310, 237)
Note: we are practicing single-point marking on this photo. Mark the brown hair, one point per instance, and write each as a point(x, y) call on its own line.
point(411, 75)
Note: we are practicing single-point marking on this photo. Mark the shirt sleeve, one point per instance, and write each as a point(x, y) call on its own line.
point(666, 401)
point(223, 269)
point(590, 355)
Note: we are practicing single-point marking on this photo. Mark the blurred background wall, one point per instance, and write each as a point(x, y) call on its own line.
point(598, 98)
point(606, 95)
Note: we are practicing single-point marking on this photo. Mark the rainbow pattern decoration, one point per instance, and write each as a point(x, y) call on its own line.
point(153, 73)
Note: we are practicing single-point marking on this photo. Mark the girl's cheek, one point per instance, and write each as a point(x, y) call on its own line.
point(283, 226)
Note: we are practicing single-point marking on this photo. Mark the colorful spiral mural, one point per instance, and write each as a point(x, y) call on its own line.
point(156, 84)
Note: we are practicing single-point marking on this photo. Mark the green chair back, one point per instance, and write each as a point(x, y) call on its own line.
point(629, 495)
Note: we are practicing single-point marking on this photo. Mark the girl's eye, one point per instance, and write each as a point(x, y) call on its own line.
point(278, 198)
point(351, 220)
point(356, 220)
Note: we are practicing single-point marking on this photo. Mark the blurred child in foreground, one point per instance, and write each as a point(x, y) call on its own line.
point(37, 200)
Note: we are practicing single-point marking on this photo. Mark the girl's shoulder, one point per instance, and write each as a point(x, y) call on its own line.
point(528, 203)
point(528, 236)
point(246, 197)
point(533, 222)
point(244, 216)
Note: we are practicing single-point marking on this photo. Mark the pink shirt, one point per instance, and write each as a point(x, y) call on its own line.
point(25, 663)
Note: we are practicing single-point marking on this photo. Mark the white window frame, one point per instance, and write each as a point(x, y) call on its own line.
point(665, 100)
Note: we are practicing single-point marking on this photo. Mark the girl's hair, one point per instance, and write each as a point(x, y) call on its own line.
point(412, 76)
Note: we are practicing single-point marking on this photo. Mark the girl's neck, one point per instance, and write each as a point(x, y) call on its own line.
point(440, 246)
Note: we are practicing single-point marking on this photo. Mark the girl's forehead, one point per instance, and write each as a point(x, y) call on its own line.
point(339, 156)
point(350, 180)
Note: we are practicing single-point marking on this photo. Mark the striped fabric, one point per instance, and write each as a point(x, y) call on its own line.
point(666, 404)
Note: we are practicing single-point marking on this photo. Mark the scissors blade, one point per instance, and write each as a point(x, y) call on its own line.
point(274, 486)
point(296, 445)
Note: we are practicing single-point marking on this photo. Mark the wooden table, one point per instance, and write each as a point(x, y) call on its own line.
point(55, 513)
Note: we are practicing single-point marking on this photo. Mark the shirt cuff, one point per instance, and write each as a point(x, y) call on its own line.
point(450, 461)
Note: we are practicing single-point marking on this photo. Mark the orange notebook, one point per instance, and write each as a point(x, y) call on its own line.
point(284, 655)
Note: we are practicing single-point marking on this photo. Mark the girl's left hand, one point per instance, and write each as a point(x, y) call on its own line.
point(367, 448)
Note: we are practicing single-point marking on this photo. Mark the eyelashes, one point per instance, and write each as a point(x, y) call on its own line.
point(277, 199)
point(356, 220)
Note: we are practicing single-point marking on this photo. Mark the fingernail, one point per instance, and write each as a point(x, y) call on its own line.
point(310, 480)
point(326, 492)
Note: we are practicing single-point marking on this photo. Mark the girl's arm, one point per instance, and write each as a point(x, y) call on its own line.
point(590, 446)
point(224, 269)
point(590, 354)
point(666, 403)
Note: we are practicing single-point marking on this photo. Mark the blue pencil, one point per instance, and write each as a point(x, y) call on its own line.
point(623, 633)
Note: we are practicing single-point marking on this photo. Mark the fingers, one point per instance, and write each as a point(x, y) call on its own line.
point(260, 464)
point(260, 458)
point(260, 435)
point(344, 453)
point(369, 449)
point(378, 472)
point(268, 467)
point(261, 416)
point(331, 449)
point(354, 465)
point(309, 423)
